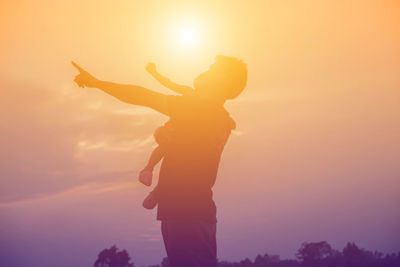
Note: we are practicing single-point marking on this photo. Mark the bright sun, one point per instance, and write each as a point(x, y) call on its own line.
point(187, 36)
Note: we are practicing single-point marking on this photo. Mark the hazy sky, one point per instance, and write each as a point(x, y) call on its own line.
point(316, 154)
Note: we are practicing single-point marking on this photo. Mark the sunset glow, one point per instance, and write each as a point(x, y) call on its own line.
point(187, 36)
point(315, 154)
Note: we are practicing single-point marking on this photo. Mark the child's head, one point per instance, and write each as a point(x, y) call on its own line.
point(225, 79)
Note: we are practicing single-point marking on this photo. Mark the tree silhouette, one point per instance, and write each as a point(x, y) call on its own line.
point(317, 254)
point(261, 261)
point(310, 253)
point(113, 258)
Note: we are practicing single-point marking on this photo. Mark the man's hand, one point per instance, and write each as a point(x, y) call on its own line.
point(84, 78)
point(151, 68)
point(131, 94)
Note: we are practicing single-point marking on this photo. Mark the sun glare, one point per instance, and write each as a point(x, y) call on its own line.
point(187, 36)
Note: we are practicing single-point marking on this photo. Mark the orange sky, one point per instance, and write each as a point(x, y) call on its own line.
point(315, 155)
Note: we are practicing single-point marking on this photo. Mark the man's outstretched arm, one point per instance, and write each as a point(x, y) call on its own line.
point(130, 94)
point(177, 88)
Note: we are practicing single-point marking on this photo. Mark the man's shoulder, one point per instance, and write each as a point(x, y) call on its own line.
point(189, 105)
point(183, 104)
point(176, 99)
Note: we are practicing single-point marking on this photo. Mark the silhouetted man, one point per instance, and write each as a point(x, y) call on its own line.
point(190, 164)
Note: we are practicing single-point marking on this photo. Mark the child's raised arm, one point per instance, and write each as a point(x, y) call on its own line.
point(177, 88)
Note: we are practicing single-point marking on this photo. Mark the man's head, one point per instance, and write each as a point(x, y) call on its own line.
point(225, 79)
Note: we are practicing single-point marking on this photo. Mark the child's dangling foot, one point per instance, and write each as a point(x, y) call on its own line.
point(150, 202)
point(146, 176)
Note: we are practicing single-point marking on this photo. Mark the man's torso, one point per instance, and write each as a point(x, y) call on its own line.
point(191, 160)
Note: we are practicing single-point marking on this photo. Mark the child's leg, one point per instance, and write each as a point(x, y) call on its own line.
point(146, 174)
point(156, 156)
point(150, 202)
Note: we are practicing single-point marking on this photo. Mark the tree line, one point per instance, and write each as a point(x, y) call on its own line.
point(310, 254)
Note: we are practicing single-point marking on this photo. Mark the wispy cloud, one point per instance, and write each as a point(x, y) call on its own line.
point(54, 141)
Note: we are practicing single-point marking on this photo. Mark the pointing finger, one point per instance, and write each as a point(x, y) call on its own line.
point(77, 67)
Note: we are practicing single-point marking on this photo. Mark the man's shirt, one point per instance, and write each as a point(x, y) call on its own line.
point(191, 160)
